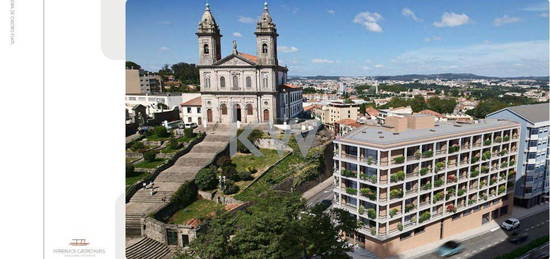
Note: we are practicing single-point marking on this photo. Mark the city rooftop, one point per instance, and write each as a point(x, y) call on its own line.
point(386, 137)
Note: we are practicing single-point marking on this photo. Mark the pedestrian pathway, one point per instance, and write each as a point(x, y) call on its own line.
point(168, 181)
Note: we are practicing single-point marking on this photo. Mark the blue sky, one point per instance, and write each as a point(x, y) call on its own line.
point(356, 38)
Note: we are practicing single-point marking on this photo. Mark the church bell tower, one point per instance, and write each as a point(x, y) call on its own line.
point(209, 37)
point(266, 39)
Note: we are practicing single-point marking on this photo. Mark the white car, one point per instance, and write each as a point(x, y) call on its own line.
point(190, 125)
point(510, 223)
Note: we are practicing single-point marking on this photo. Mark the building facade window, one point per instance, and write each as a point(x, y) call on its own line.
point(264, 48)
point(207, 82)
point(249, 110)
point(248, 82)
point(222, 82)
point(223, 108)
point(235, 82)
point(206, 49)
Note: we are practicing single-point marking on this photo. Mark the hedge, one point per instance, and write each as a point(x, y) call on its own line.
point(524, 249)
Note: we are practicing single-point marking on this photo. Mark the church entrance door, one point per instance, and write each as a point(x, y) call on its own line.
point(209, 115)
point(237, 112)
point(266, 115)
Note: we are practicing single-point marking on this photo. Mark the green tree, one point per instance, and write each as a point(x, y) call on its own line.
point(441, 105)
point(161, 132)
point(206, 179)
point(150, 156)
point(418, 103)
point(132, 65)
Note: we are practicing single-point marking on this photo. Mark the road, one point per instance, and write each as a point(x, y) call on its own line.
point(324, 194)
point(494, 243)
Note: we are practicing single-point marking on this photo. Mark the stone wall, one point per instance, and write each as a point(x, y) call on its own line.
point(276, 144)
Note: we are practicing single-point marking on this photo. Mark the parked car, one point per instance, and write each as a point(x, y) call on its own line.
point(190, 125)
point(510, 223)
point(450, 248)
point(517, 237)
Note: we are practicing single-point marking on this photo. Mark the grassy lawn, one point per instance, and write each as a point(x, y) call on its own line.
point(197, 209)
point(135, 178)
point(145, 164)
point(156, 138)
point(169, 150)
point(293, 165)
point(130, 160)
point(244, 161)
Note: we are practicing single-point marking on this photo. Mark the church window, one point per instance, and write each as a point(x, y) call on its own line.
point(222, 82)
point(223, 108)
point(248, 82)
point(235, 82)
point(207, 82)
point(265, 81)
point(206, 49)
point(264, 48)
point(249, 110)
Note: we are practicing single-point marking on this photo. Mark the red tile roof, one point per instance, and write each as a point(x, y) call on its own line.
point(193, 102)
point(371, 111)
point(249, 57)
point(292, 87)
point(433, 113)
point(311, 107)
point(193, 222)
point(349, 122)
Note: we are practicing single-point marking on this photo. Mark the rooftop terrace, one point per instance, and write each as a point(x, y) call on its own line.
point(385, 137)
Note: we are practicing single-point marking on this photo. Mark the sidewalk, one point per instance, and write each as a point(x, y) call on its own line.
point(317, 188)
point(517, 212)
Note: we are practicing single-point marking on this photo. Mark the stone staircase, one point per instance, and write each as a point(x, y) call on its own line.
point(144, 195)
point(148, 248)
point(133, 225)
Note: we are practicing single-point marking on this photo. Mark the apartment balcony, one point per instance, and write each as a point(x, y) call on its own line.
point(412, 192)
point(349, 156)
point(534, 137)
point(368, 160)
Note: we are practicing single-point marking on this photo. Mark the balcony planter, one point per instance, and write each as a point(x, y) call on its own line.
point(453, 149)
point(475, 159)
point(409, 207)
point(427, 186)
point(492, 181)
point(370, 178)
point(425, 216)
point(506, 138)
point(348, 173)
point(367, 192)
point(438, 196)
point(371, 213)
point(474, 173)
point(484, 169)
point(427, 154)
point(400, 227)
point(451, 208)
point(361, 210)
point(451, 178)
point(461, 192)
point(424, 171)
point(393, 212)
point(399, 160)
point(350, 190)
point(369, 161)
point(486, 155)
point(439, 166)
point(397, 177)
point(373, 232)
point(438, 182)
point(498, 139)
point(417, 154)
point(470, 202)
point(501, 189)
point(487, 142)
point(396, 193)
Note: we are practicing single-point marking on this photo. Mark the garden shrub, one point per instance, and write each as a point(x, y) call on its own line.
point(206, 179)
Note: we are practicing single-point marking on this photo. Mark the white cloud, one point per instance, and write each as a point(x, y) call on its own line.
point(322, 61)
point(409, 13)
point(331, 12)
point(244, 19)
point(505, 19)
point(538, 7)
point(378, 66)
point(237, 34)
point(496, 59)
point(163, 48)
point(433, 38)
point(369, 20)
point(287, 49)
point(452, 20)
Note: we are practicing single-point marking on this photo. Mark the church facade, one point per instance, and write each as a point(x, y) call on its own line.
point(243, 87)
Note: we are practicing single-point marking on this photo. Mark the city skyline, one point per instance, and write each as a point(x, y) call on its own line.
point(375, 38)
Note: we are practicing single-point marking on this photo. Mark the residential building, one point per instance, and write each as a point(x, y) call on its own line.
point(397, 111)
point(336, 111)
point(191, 111)
point(532, 168)
point(154, 102)
point(413, 181)
point(343, 127)
point(139, 81)
point(242, 87)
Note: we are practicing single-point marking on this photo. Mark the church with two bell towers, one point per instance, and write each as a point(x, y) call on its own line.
point(245, 88)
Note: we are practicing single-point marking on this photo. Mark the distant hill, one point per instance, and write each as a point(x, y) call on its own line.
point(409, 77)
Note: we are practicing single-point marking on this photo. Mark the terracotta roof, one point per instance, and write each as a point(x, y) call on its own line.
point(193, 222)
point(349, 122)
point(371, 111)
point(311, 107)
point(293, 87)
point(433, 113)
point(249, 57)
point(193, 102)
